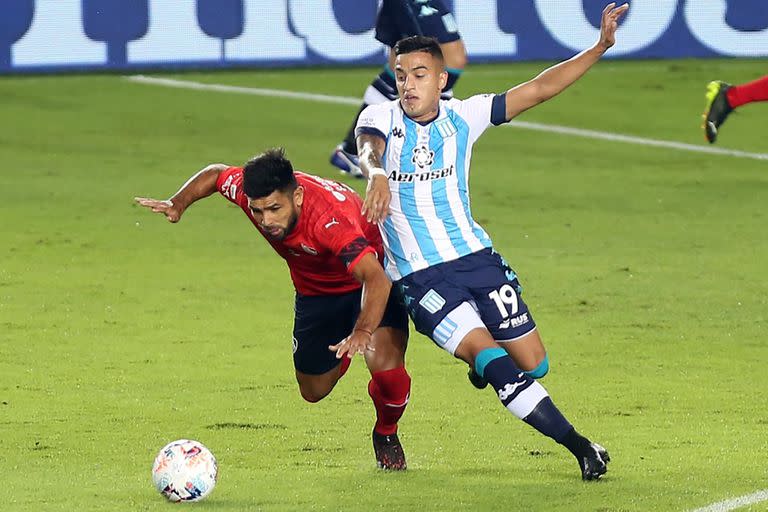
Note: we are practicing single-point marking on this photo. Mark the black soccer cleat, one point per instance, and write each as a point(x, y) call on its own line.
point(594, 462)
point(389, 452)
point(476, 380)
point(717, 109)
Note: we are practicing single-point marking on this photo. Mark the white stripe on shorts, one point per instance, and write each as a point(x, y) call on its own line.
point(455, 326)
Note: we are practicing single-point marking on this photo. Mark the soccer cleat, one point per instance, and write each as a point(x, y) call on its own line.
point(476, 380)
point(594, 463)
point(716, 110)
point(389, 452)
point(346, 162)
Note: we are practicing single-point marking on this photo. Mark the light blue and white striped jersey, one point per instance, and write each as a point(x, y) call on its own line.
point(430, 219)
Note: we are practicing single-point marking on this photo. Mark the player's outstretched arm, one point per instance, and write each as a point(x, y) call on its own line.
point(371, 148)
point(197, 187)
point(376, 287)
point(555, 79)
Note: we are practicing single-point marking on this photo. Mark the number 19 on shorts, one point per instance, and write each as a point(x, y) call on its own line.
point(505, 297)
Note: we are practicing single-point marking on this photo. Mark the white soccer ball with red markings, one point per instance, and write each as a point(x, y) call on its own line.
point(184, 470)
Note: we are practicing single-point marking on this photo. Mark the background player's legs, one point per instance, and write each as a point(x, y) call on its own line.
point(757, 90)
point(723, 98)
point(381, 89)
point(455, 55)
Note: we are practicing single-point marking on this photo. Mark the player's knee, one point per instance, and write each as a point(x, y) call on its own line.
point(541, 370)
point(312, 395)
point(315, 390)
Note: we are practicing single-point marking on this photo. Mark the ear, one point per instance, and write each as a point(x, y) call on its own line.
point(442, 79)
point(298, 196)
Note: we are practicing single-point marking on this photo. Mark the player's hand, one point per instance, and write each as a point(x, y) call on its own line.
point(377, 197)
point(609, 23)
point(356, 343)
point(171, 211)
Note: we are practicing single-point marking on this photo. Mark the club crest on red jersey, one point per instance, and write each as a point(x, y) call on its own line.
point(309, 250)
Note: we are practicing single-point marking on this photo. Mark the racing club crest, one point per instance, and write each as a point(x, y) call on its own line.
point(422, 155)
point(309, 250)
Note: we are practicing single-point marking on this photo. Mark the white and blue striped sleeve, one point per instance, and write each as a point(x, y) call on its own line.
point(481, 111)
point(374, 120)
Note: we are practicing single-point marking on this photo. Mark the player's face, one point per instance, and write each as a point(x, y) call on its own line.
point(277, 213)
point(420, 78)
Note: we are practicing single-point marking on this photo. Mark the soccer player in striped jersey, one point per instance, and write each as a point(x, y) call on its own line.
point(416, 152)
point(343, 297)
point(397, 19)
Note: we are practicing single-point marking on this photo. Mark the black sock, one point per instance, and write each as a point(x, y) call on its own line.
point(578, 445)
point(525, 398)
point(547, 419)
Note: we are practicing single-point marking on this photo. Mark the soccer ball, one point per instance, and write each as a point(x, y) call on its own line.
point(184, 470)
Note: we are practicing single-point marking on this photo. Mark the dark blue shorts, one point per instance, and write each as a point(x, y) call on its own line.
point(448, 300)
point(403, 18)
point(325, 320)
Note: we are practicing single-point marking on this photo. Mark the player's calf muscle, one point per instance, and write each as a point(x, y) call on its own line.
point(314, 388)
point(473, 343)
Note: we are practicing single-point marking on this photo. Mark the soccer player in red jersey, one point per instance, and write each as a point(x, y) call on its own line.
point(723, 98)
point(345, 304)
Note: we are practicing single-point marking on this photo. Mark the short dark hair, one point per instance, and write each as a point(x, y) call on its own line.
point(419, 44)
point(267, 172)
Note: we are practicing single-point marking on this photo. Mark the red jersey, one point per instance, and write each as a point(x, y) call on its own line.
point(330, 226)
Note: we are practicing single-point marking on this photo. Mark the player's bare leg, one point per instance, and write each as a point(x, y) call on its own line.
point(528, 400)
point(528, 352)
point(454, 54)
point(390, 345)
point(314, 388)
point(389, 389)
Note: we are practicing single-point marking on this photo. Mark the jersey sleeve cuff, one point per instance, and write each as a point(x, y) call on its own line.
point(369, 130)
point(367, 250)
point(499, 109)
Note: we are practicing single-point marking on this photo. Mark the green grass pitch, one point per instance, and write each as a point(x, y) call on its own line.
point(644, 267)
